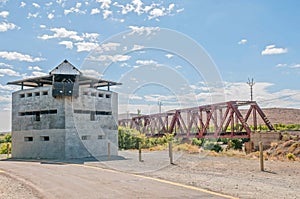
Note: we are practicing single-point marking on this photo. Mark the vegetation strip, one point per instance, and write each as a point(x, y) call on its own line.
point(160, 180)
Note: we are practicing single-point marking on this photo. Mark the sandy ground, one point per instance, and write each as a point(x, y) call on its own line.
point(234, 176)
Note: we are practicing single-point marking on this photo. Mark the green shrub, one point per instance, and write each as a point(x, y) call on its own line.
point(291, 156)
point(4, 147)
point(235, 144)
point(213, 146)
point(196, 141)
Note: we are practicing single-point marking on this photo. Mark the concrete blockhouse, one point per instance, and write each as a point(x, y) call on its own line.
point(64, 115)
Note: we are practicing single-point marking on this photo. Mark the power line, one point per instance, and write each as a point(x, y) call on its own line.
point(251, 84)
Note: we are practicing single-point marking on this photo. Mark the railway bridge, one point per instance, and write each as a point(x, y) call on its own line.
point(220, 120)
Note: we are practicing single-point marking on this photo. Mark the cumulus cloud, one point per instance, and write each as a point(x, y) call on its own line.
point(91, 73)
point(143, 30)
point(146, 62)
point(19, 57)
point(6, 65)
point(35, 5)
point(4, 26)
point(295, 66)
point(50, 16)
point(74, 9)
point(95, 11)
point(105, 4)
point(32, 15)
point(22, 4)
point(243, 41)
point(4, 14)
point(34, 68)
point(9, 72)
point(273, 50)
point(112, 58)
point(86, 46)
point(106, 13)
point(68, 44)
point(169, 56)
point(62, 33)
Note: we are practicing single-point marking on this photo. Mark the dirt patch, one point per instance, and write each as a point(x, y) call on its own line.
point(239, 177)
point(12, 188)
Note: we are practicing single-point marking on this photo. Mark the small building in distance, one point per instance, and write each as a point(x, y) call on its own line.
point(64, 115)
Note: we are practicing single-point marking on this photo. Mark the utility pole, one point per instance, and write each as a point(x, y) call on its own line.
point(159, 105)
point(251, 84)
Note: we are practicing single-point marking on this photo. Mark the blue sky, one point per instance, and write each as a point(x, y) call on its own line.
point(241, 40)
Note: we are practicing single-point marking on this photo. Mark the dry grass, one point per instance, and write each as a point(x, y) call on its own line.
point(187, 148)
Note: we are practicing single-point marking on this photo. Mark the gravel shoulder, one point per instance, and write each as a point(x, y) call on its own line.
point(238, 177)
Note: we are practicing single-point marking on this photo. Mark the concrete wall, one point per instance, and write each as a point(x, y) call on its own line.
point(71, 134)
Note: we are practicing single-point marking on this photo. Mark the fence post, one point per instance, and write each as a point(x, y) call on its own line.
point(140, 152)
point(171, 152)
point(261, 156)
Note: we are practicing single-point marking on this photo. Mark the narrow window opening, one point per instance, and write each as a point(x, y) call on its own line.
point(85, 137)
point(45, 92)
point(93, 94)
point(38, 116)
point(37, 94)
point(29, 94)
point(22, 95)
point(100, 137)
point(85, 93)
point(28, 139)
point(93, 115)
point(100, 95)
point(45, 138)
point(108, 96)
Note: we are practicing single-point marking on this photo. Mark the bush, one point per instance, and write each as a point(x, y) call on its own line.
point(196, 141)
point(4, 148)
point(235, 144)
point(291, 156)
point(213, 146)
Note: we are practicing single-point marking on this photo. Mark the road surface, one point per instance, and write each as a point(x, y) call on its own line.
point(59, 180)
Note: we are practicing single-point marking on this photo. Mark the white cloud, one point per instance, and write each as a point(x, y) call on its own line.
point(281, 65)
point(86, 46)
point(142, 30)
point(7, 26)
point(295, 66)
point(42, 26)
point(105, 4)
point(92, 73)
point(62, 33)
point(135, 97)
point(8, 87)
point(242, 41)
point(35, 5)
point(95, 11)
point(6, 65)
point(74, 9)
point(18, 56)
point(137, 47)
point(68, 44)
point(106, 13)
point(38, 74)
point(50, 16)
point(169, 56)
point(146, 62)
point(23, 4)
point(9, 72)
point(157, 12)
point(32, 15)
point(34, 68)
point(112, 58)
point(273, 50)
point(91, 36)
point(4, 14)
point(180, 10)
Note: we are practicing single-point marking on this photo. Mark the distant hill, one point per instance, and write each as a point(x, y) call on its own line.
point(279, 115)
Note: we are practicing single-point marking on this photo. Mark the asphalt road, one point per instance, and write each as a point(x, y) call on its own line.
point(57, 180)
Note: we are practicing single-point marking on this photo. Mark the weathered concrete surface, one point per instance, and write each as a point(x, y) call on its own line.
point(71, 134)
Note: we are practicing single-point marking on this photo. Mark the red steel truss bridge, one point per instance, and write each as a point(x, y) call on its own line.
point(221, 120)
